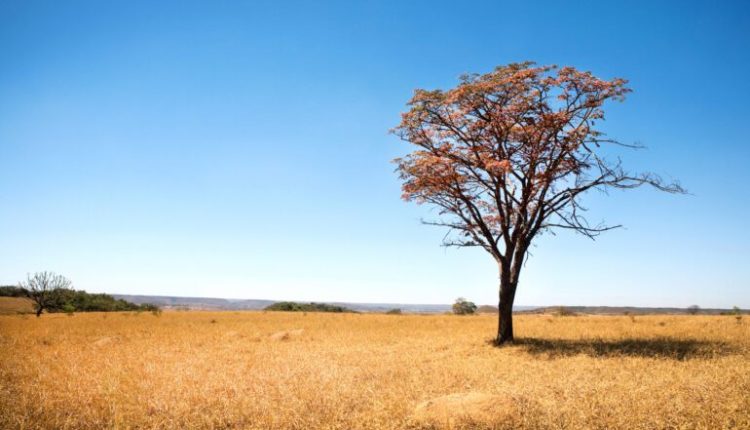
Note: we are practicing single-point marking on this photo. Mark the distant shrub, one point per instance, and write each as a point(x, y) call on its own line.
point(693, 310)
point(68, 309)
point(464, 307)
point(395, 311)
point(562, 311)
point(306, 307)
point(148, 307)
point(737, 314)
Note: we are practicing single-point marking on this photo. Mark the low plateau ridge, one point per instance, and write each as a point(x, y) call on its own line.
point(212, 303)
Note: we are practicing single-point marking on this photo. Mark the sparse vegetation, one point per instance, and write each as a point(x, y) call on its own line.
point(306, 307)
point(395, 311)
point(51, 293)
point(278, 370)
point(562, 311)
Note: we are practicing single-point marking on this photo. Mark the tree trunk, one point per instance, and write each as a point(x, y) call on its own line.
point(510, 271)
point(505, 309)
point(38, 311)
point(505, 323)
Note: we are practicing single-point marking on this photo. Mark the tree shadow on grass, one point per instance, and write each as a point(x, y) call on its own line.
point(663, 347)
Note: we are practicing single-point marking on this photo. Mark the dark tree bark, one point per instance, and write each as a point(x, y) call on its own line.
point(505, 315)
point(509, 275)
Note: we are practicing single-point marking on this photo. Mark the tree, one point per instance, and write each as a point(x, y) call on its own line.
point(464, 307)
point(507, 155)
point(42, 288)
point(693, 309)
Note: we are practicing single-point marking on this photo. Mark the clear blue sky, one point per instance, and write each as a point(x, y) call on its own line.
point(241, 149)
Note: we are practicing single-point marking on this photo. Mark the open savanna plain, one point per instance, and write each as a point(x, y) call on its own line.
point(274, 370)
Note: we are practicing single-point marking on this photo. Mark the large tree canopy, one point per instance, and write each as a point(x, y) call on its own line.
point(507, 155)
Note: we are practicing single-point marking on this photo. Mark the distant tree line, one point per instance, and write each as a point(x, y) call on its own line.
point(52, 293)
point(12, 291)
point(306, 307)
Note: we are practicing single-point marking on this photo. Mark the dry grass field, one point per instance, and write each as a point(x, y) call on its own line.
point(351, 371)
point(15, 306)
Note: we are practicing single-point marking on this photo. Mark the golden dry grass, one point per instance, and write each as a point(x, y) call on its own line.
point(15, 305)
point(350, 371)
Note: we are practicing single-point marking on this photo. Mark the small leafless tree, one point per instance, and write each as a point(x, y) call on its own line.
point(694, 309)
point(41, 288)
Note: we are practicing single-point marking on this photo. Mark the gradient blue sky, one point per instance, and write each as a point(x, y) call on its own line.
point(241, 149)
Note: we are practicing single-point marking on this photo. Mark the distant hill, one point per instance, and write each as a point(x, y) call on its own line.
point(487, 309)
point(205, 303)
